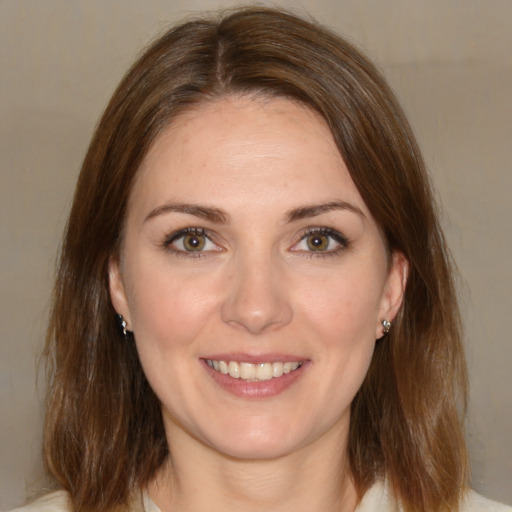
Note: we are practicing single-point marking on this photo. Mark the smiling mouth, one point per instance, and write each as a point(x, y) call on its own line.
point(253, 372)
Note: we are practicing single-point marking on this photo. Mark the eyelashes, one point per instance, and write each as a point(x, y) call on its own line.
point(191, 243)
point(196, 242)
point(321, 241)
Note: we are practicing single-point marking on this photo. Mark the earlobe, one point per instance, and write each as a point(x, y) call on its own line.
point(117, 291)
point(393, 293)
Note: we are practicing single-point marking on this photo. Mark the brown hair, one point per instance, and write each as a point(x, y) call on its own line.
point(104, 435)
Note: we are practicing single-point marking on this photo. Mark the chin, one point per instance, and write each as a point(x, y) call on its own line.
point(251, 450)
point(261, 441)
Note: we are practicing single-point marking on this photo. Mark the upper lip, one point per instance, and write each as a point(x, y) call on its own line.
point(256, 358)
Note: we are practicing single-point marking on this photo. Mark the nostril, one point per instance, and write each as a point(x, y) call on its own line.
point(256, 309)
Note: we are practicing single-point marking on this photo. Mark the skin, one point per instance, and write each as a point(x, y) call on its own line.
point(255, 290)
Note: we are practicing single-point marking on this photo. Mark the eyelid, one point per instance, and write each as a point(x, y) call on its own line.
point(342, 241)
point(180, 233)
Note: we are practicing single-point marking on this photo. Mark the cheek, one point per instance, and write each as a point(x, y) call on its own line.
point(168, 310)
point(345, 306)
point(168, 316)
point(343, 321)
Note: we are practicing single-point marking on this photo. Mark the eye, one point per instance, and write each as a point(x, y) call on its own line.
point(318, 242)
point(321, 240)
point(191, 240)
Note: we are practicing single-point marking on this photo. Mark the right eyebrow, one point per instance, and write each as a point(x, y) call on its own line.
point(215, 215)
point(309, 211)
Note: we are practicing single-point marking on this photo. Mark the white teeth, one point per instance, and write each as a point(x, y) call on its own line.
point(234, 369)
point(277, 369)
point(253, 372)
point(223, 367)
point(264, 371)
point(247, 371)
point(289, 367)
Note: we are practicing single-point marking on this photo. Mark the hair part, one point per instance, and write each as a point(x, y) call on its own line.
point(104, 436)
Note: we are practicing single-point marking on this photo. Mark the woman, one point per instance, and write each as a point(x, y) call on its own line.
point(255, 304)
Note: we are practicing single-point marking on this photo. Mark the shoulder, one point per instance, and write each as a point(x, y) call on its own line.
point(473, 502)
point(379, 497)
point(53, 502)
point(58, 501)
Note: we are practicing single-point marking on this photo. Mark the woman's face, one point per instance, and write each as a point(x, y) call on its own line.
point(254, 278)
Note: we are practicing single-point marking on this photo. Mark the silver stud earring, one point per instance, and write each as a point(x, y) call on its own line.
point(122, 325)
point(386, 325)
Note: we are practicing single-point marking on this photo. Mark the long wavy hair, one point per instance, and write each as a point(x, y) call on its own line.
point(104, 435)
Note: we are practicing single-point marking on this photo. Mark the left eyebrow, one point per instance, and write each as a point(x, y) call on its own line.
point(215, 215)
point(305, 212)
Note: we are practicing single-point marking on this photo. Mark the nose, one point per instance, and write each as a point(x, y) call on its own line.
point(256, 300)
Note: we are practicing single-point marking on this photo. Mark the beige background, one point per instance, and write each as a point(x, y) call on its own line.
point(450, 63)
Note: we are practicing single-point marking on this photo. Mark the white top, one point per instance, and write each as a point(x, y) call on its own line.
point(377, 499)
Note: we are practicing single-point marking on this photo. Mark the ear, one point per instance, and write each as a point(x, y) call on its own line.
point(117, 291)
point(394, 290)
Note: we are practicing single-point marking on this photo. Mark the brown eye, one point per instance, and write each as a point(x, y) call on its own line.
point(317, 242)
point(194, 242)
point(321, 241)
point(191, 242)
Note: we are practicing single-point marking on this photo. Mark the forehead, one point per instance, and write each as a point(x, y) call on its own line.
point(251, 148)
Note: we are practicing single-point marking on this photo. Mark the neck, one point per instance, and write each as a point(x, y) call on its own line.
point(314, 478)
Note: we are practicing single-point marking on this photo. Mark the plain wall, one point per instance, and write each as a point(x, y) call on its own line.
point(449, 61)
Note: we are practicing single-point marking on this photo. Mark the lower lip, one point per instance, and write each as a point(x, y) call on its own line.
point(257, 389)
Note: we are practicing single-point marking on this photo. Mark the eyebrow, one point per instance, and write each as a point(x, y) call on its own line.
point(218, 216)
point(306, 212)
point(215, 215)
